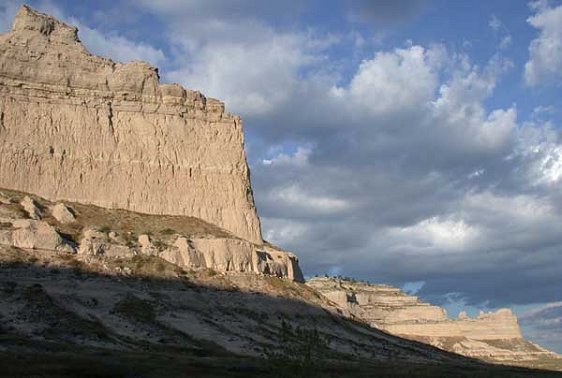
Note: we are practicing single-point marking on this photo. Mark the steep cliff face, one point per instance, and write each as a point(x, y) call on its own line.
point(83, 128)
point(493, 336)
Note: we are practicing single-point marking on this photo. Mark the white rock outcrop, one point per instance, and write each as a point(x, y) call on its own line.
point(31, 208)
point(146, 246)
point(96, 243)
point(62, 213)
point(159, 148)
point(184, 255)
point(232, 255)
point(34, 234)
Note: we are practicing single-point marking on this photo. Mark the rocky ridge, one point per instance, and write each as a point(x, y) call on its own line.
point(33, 223)
point(493, 336)
point(73, 125)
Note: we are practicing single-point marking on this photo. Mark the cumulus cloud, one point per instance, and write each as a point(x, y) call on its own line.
point(117, 47)
point(294, 196)
point(378, 85)
point(433, 235)
point(252, 78)
point(545, 51)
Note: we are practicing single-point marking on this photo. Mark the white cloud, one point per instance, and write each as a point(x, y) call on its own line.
point(518, 209)
point(294, 196)
point(545, 51)
point(298, 159)
point(283, 232)
point(434, 235)
point(460, 114)
point(252, 78)
point(116, 46)
point(548, 168)
point(378, 86)
point(539, 145)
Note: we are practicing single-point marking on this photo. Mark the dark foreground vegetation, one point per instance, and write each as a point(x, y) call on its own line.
point(24, 358)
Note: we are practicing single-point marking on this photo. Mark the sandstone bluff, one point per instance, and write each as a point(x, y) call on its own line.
point(491, 336)
point(83, 128)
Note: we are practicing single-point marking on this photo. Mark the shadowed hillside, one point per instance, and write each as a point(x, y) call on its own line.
point(61, 317)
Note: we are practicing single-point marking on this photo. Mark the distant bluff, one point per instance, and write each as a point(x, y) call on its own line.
point(77, 127)
point(493, 336)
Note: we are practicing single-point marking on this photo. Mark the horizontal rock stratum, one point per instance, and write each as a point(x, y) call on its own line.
point(493, 336)
point(77, 127)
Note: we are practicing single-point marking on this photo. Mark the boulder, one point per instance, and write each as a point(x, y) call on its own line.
point(95, 243)
point(184, 255)
point(146, 246)
point(62, 213)
point(34, 234)
point(31, 208)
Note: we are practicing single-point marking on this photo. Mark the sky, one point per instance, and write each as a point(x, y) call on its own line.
point(412, 142)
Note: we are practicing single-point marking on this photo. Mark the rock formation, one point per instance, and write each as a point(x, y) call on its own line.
point(82, 128)
point(214, 249)
point(494, 336)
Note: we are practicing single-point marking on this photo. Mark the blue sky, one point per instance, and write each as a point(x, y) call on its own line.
point(413, 142)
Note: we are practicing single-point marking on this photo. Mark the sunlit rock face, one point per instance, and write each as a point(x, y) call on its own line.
point(494, 336)
point(82, 128)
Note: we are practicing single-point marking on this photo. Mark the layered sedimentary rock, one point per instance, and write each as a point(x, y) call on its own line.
point(495, 335)
point(82, 128)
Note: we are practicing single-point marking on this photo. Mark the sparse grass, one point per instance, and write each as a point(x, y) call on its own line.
point(104, 229)
point(135, 308)
point(127, 223)
point(159, 244)
point(146, 266)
